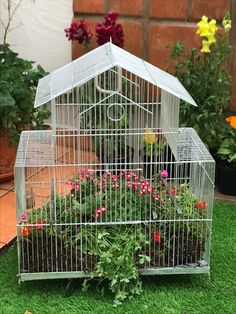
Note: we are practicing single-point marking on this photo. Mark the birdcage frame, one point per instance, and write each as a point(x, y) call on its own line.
point(100, 117)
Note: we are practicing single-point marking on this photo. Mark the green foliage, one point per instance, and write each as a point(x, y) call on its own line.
point(117, 249)
point(18, 82)
point(154, 149)
point(227, 149)
point(207, 78)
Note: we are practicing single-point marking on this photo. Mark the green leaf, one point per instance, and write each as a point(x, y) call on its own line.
point(6, 100)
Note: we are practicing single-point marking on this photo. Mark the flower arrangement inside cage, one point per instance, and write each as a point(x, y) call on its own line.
point(114, 226)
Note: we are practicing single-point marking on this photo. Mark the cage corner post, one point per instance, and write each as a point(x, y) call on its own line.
point(19, 174)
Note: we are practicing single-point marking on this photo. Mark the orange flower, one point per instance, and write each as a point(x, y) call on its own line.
point(232, 121)
point(25, 231)
point(200, 204)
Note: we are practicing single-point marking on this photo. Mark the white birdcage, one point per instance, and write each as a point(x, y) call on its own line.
point(115, 157)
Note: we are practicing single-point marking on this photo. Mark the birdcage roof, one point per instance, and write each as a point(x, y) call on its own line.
point(98, 61)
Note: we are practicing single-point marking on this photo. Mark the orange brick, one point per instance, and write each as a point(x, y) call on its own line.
point(169, 9)
point(163, 35)
point(233, 102)
point(132, 36)
point(127, 7)
point(88, 6)
point(213, 9)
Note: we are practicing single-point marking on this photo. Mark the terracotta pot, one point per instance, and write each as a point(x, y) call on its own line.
point(226, 179)
point(7, 157)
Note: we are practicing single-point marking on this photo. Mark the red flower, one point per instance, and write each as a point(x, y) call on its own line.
point(173, 192)
point(156, 236)
point(25, 231)
point(200, 204)
point(79, 32)
point(110, 29)
point(38, 225)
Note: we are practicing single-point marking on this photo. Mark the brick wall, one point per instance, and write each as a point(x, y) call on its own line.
point(151, 25)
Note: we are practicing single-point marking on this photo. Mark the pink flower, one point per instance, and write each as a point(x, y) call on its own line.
point(99, 211)
point(24, 217)
point(38, 225)
point(115, 186)
point(106, 175)
point(156, 197)
point(114, 178)
point(164, 174)
point(129, 184)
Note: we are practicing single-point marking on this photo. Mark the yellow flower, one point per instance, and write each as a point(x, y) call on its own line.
point(149, 137)
point(203, 27)
point(212, 26)
point(232, 121)
point(205, 46)
point(227, 23)
point(227, 27)
point(211, 39)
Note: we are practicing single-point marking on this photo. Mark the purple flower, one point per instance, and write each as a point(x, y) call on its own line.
point(79, 32)
point(164, 174)
point(24, 217)
point(109, 29)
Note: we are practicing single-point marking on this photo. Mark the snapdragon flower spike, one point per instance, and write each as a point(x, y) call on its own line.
point(79, 31)
point(109, 29)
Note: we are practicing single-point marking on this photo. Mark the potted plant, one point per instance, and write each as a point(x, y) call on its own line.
point(205, 73)
point(227, 159)
point(18, 81)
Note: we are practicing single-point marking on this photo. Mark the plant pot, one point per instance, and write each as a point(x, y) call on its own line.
point(7, 157)
point(226, 179)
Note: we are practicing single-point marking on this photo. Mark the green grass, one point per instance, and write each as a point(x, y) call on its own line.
point(161, 294)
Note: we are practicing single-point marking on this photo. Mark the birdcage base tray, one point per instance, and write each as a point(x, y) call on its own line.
point(148, 271)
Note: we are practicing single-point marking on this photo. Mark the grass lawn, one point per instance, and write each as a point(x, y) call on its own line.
point(188, 294)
